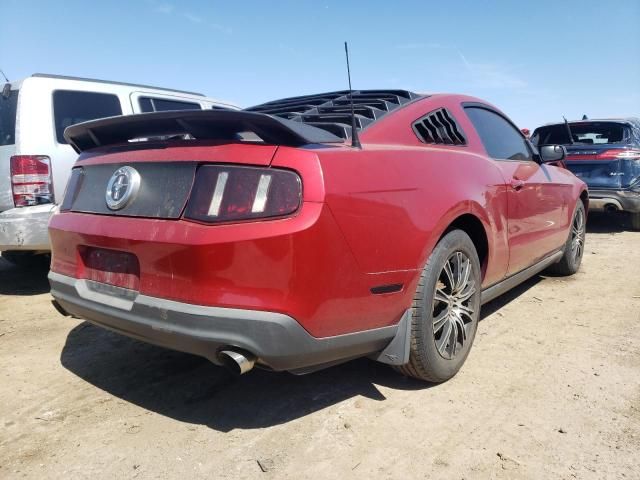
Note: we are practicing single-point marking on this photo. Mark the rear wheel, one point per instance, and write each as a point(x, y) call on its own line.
point(446, 309)
point(635, 221)
point(574, 247)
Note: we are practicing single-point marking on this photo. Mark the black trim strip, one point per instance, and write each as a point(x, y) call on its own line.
point(503, 286)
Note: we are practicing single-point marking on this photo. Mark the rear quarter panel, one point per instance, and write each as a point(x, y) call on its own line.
point(393, 204)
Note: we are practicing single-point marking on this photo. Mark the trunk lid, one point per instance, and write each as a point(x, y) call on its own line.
point(604, 165)
point(165, 171)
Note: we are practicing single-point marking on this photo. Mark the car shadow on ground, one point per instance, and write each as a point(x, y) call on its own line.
point(506, 298)
point(193, 390)
point(16, 280)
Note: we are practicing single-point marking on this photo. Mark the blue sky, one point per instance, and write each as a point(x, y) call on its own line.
point(535, 60)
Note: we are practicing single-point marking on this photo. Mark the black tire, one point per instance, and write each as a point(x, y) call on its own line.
point(572, 257)
point(635, 221)
point(26, 259)
point(426, 362)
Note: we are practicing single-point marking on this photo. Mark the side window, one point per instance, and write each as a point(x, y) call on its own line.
point(149, 104)
point(501, 139)
point(71, 107)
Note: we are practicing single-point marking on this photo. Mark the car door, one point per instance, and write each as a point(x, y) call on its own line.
point(536, 206)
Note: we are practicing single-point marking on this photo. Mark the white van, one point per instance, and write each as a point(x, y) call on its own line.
point(35, 159)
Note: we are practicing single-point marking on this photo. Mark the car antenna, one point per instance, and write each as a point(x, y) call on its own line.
point(566, 124)
point(5, 77)
point(355, 141)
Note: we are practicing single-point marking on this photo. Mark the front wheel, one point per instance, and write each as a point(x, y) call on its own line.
point(635, 221)
point(446, 310)
point(574, 247)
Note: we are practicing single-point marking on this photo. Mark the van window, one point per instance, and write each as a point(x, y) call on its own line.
point(148, 104)
point(582, 132)
point(71, 107)
point(8, 108)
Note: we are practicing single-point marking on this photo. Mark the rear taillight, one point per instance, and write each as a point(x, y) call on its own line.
point(31, 180)
point(618, 154)
point(225, 194)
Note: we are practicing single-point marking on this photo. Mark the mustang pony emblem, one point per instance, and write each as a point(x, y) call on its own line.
point(122, 188)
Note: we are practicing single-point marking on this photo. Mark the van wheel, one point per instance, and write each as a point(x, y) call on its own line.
point(574, 247)
point(446, 309)
point(25, 259)
point(635, 221)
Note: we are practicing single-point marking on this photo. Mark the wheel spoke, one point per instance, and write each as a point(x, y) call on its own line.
point(453, 339)
point(440, 296)
point(441, 344)
point(467, 292)
point(467, 311)
point(456, 272)
point(461, 327)
point(439, 321)
point(449, 273)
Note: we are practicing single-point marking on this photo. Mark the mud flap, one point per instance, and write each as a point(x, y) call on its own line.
point(397, 352)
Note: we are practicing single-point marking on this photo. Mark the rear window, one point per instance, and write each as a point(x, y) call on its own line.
point(71, 107)
point(8, 108)
point(592, 133)
point(149, 104)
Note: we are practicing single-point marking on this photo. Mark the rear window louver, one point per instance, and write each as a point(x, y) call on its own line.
point(332, 111)
point(439, 127)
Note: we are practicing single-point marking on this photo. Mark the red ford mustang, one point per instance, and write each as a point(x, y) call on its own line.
point(265, 237)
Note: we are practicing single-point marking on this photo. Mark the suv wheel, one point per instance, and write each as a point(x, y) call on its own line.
point(635, 221)
point(446, 309)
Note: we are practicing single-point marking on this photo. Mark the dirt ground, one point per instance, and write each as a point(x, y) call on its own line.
point(551, 389)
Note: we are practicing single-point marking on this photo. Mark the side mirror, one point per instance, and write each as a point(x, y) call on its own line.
point(552, 153)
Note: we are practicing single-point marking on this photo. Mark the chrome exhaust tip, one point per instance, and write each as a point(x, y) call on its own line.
point(237, 361)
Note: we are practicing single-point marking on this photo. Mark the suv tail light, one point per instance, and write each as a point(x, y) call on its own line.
point(618, 154)
point(31, 180)
point(225, 193)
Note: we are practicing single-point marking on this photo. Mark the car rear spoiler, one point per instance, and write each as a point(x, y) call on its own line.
point(200, 124)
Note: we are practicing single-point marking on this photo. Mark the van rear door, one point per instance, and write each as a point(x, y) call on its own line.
point(8, 112)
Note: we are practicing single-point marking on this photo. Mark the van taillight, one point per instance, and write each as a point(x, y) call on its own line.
point(31, 180)
point(230, 193)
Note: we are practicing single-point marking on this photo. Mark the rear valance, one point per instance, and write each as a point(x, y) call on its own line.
point(201, 125)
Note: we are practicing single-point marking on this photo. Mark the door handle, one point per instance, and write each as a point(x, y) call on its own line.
point(517, 184)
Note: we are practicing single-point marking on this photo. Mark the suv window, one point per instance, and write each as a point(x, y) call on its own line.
point(591, 133)
point(8, 107)
point(71, 107)
point(149, 104)
point(500, 138)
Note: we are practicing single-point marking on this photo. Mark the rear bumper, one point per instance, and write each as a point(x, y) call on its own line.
point(278, 340)
point(625, 200)
point(25, 228)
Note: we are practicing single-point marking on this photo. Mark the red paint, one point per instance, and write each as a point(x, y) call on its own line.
point(369, 217)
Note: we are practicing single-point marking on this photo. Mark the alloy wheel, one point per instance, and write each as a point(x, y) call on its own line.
point(577, 235)
point(453, 310)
